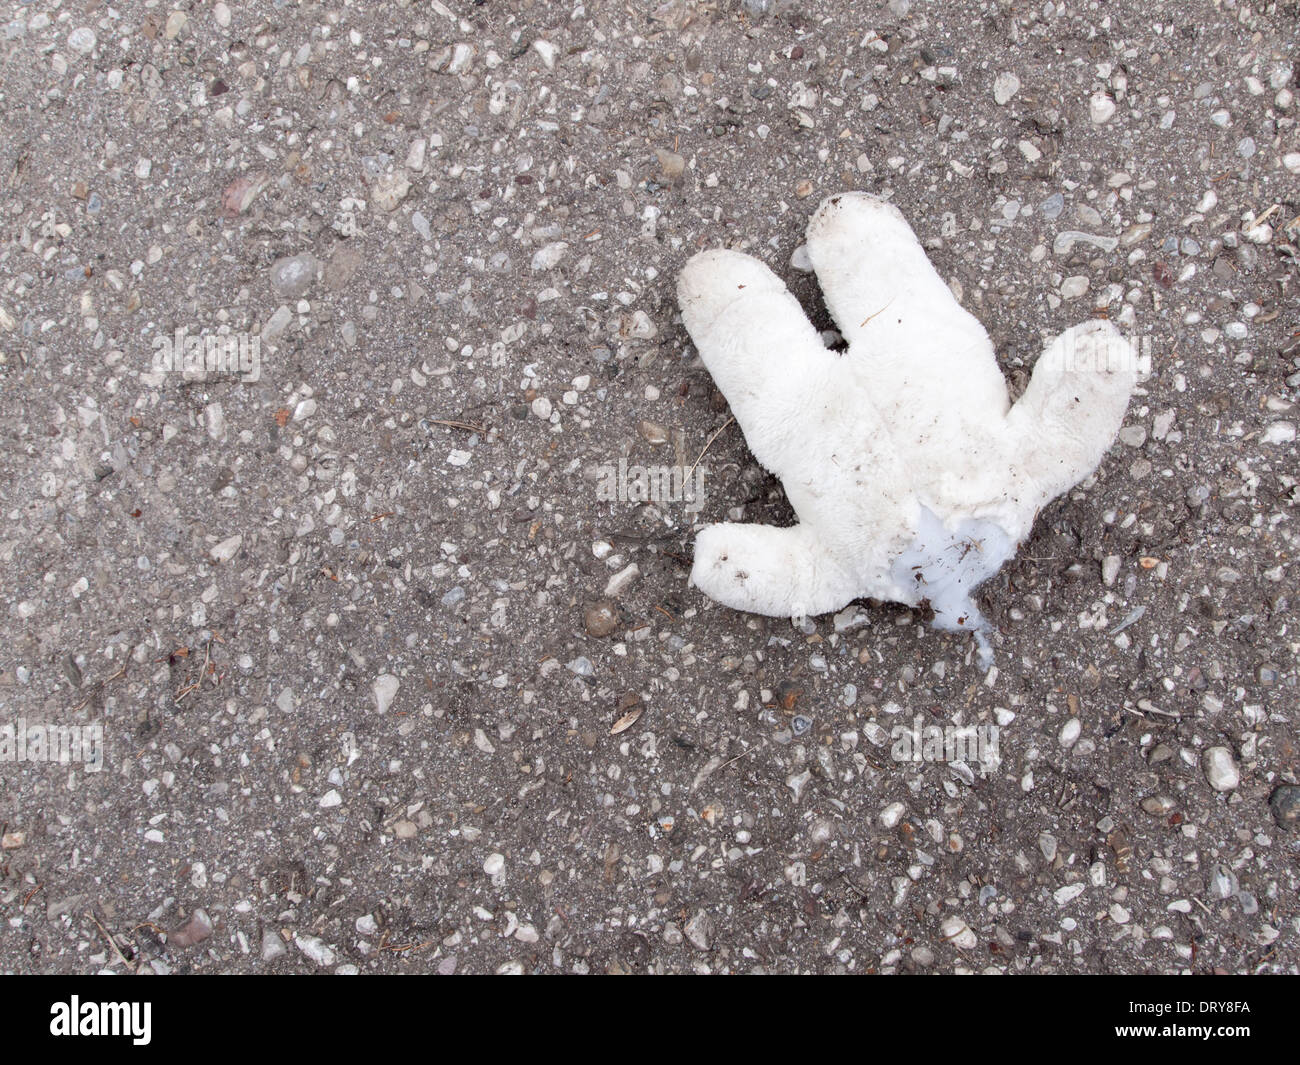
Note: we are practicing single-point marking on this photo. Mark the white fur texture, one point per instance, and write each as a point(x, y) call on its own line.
point(912, 476)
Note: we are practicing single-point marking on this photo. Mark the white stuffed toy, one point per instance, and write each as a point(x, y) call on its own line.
point(912, 476)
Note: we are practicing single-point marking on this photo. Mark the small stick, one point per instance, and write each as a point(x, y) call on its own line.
point(457, 425)
point(708, 444)
point(1260, 220)
point(879, 312)
point(111, 942)
point(736, 759)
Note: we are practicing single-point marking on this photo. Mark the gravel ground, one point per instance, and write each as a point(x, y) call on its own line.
point(357, 631)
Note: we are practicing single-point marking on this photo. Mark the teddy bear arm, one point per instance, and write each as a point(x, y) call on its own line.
point(762, 352)
point(766, 570)
point(1061, 428)
point(903, 324)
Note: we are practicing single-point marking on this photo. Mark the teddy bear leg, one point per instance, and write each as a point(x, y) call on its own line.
point(766, 570)
point(879, 285)
point(1062, 426)
point(763, 353)
point(897, 313)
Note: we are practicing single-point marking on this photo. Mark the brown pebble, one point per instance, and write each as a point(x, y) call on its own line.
point(192, 932)
point(671, 165)
point(601, 618)
point(653, 432)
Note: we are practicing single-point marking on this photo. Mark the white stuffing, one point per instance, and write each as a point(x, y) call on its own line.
point(912, 476)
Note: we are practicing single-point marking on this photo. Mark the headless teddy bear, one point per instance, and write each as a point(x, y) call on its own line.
point(912, 476)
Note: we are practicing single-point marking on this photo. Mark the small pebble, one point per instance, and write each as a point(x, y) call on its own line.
point(1047, 845)
point(390, 190)
point(671, 165)
point(958, 933)
point(1063, 242)
point(601, 618)
point(622, 581)
point(384, 689)
point(1005, 86)
point(1074, 287)
point(1220, 769)
point(653, 432)
point(548, 256)
point(699, 930)
point(272, 946)
point(192, 932)
point(1284, 804)
point(1101, 108)
point(314, 949)
point(82, 40)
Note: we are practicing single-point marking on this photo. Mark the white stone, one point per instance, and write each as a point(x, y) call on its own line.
point(461, 57)
point(390, 190)
point(1220, 769)
point(277, 324)
point(1069, 893)
point(1074, 287)
point(622, 580)
point(1005, 86)
point(1110, 570)
point(82, 40)
point(314, 949)
point(958, 933)
point(384, 689)
point(226, 550)
point(1101, 108)
point(548, 256)
point(547, 51)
